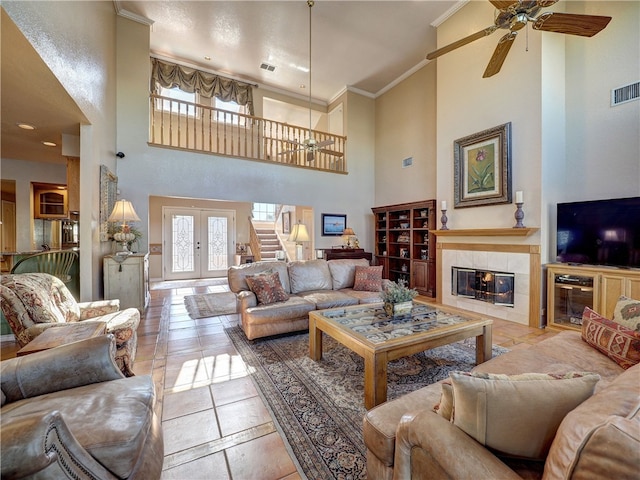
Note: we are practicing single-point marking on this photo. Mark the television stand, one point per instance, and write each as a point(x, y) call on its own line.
point(571, 287)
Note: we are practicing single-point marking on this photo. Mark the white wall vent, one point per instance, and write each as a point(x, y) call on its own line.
point(407, 162)
point(266, 66)
point(624, 94)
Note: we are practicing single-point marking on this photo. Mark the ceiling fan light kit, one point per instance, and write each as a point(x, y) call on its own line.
point(515, 15)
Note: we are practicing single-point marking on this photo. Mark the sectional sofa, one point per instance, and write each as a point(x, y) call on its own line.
point(305, 286)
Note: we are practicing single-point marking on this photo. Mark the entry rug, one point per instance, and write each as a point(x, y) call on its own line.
point(320, 405)
point(210, 304)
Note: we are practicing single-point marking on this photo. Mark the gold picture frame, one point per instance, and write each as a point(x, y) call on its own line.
point(482, 168)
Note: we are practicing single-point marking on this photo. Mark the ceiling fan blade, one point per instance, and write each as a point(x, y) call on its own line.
point(290, 151)
point(499, 54)
point(463, 41)
point(310, 156)
point(502, 4)
point(331, 152)
point(325, 143)
point(571, 23)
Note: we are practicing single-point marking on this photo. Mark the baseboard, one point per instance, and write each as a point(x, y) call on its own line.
point(9, 337)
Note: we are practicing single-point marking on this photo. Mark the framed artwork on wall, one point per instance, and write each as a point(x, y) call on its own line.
point(482, 168)
point(333, 224)
point(286, 222)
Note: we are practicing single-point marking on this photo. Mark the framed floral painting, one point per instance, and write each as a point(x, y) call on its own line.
point(482, 168)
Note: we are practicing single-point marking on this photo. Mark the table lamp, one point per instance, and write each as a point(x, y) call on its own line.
point(122, 213)
point(299, 234)
point(348, 232)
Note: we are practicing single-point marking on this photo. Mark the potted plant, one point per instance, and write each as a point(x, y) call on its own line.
point(398, 298)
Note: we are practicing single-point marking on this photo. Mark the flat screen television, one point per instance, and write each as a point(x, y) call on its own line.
point(600, 232)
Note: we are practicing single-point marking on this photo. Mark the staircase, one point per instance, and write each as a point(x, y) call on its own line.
point(269, 243)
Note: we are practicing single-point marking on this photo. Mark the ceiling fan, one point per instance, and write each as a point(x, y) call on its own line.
point(514, 15)
point(310, 144)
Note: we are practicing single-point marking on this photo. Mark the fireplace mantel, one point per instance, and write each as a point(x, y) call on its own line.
point(486, 232)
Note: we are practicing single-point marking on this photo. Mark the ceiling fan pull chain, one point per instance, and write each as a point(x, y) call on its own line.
point(527, 38)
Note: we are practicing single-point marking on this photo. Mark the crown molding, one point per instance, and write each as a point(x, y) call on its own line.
point(130, 15)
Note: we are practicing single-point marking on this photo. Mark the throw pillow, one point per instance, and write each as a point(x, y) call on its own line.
point(517, 415)
point(627, 313)
point(368, 279)
point(267, 288)
point(619, 343)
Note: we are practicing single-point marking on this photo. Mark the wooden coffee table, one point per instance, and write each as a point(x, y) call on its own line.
point(56, 336)
point(369, 332)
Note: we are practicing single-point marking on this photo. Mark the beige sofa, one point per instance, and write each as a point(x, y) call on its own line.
point(406, 439)
point(311, 285)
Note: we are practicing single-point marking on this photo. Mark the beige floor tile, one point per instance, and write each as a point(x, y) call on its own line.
point(265, 458)
point(189, 430)
point(211, 467)
point(186, 402)
point(233, 391)
point(241, 415)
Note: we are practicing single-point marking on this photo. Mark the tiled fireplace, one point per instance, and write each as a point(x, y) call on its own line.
point(494, 279)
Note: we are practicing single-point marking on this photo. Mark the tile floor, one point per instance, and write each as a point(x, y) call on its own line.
point(215, 423)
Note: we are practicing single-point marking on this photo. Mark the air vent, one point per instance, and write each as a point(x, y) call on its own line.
point(625, 94)
point(267, 67)
point(407, 162)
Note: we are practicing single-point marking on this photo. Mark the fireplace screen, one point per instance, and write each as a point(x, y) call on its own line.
point(485, 285)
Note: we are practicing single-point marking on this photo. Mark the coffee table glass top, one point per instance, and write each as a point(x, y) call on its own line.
point(376, 326)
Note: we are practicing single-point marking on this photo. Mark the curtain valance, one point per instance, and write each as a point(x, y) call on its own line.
point(170, 75)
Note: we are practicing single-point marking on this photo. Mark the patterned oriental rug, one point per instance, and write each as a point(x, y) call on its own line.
point(319, 406)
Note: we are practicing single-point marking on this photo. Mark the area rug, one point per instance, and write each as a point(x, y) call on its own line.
point(319, 406)
point(210, 304)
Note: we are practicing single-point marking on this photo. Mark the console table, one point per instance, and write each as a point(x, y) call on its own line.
point(337, 253)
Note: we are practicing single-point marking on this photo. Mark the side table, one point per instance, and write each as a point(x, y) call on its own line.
point(56, 336)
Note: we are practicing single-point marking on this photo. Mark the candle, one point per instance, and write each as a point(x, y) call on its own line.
point(519, 197)
point(444, 205)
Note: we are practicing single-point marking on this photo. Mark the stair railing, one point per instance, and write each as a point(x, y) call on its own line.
point(254, 242)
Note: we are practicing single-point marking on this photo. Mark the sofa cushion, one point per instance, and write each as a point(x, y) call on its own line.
point(343, 271)
point(444, 407)
point(323, 299)
point(293, 308)
point(619, 343)
point(237, 274)
point(267, 288)
point(627, 313)
point(310, 275)
point(363, 296)
point(601, 437)
point(517, 415)
point(368, 279)
point(114, 436)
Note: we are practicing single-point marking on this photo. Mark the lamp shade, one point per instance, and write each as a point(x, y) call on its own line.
point(123, 212)
point(348, 231)
point(299, 233)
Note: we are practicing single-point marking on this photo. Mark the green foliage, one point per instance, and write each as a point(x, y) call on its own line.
point(398, 292)
point(113, 228)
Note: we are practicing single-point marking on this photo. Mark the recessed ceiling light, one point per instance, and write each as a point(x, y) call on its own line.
point(207, 57)
point(26, 126)
point(49, 144)
point(302, 85)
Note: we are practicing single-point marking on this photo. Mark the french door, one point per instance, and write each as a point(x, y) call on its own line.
point(198, 243)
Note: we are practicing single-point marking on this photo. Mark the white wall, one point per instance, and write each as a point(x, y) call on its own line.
point(81, 54)
point(149, 170)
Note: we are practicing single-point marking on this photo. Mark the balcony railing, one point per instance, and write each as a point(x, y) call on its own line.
point(204, 129)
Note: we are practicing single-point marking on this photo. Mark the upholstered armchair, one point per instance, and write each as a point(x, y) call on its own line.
point(34, 302)
point(69, 412)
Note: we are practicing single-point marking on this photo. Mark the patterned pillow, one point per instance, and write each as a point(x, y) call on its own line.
point(627, 313)
point(619, 343)
point(368, 279)
point(517, 415)
point(267, 288)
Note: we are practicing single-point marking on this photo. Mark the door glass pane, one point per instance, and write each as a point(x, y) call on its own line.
point(183, 247)
point(217, 236)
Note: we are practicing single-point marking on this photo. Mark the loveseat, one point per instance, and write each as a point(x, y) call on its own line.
point(302, 286)
point(411, 438)
point(69, 412)
point(34, 302)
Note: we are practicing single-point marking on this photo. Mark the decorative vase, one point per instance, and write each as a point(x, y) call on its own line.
point(398, 309)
